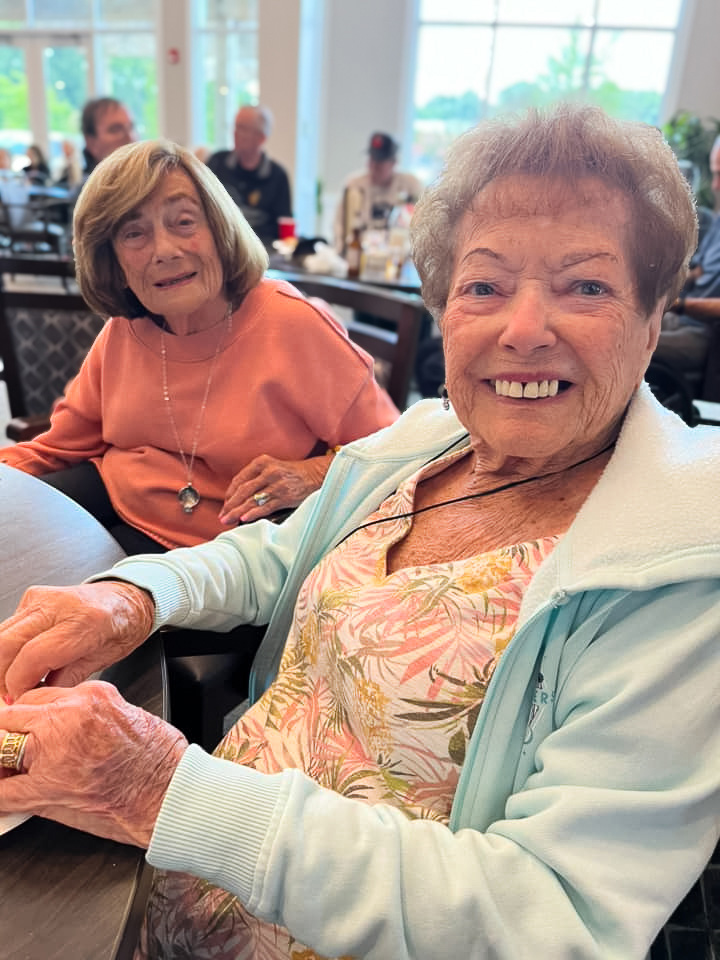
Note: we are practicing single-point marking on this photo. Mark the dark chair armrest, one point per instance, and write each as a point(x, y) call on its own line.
point(25, 428)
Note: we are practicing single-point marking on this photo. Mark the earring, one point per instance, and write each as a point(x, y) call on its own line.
point(445, 398)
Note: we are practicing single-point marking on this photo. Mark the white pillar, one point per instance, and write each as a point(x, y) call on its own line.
point(176, 74)
point(278, 57)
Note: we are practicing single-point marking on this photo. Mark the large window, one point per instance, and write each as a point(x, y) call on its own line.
point(228, 32)
point(14, 113)
point(476, 58)
point(55, 54)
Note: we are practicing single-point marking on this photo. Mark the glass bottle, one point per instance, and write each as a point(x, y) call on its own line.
point(353, 254)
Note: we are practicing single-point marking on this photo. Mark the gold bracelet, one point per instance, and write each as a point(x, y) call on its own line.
point(333, 450)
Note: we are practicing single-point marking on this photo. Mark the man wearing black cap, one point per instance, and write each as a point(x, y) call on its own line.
point(368, 198)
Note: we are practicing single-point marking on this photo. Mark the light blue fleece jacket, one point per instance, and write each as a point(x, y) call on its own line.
point(589, 799)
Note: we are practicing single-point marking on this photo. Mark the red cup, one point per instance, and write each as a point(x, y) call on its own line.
point(286, 228)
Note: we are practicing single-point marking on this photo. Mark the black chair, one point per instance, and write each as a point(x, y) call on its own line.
point(672, 389)
point(207, 678)
point(394, 349)
point(29, 224)
point(45, 333)
point(680, 389)
point(693, 931)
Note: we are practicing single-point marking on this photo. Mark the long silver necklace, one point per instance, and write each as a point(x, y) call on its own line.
point(187, 495)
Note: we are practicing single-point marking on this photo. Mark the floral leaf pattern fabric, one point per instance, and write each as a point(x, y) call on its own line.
point(377, 695)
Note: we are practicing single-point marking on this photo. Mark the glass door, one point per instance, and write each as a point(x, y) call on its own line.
point(66, 72)
point(43, 85)
point(14, 107)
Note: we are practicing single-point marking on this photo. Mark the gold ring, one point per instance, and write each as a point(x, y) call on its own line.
point(12, 751)
point(261, 498)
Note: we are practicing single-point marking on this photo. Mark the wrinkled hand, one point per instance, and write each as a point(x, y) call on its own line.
point(64, 634)
point(92, 761)
point(286, 482)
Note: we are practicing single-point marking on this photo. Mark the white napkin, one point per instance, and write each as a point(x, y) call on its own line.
point(8, 821)
point(325, 260)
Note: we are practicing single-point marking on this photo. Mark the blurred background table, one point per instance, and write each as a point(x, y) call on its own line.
point(407, 281)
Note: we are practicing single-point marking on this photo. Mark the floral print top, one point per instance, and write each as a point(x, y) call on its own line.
point(381, 680)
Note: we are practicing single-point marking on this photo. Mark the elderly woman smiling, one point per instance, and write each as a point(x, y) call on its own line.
point(212, 396)
point(490, 724)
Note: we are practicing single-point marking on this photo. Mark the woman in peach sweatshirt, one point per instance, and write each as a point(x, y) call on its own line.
point(212, 396)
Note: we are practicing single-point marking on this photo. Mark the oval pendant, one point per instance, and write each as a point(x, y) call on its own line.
point(189, 498)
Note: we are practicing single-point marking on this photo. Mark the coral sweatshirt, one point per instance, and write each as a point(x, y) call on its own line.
point(287, 379)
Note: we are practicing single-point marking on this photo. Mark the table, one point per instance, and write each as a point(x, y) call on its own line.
point(66, 895)
point(50, 264)
point(408, 280)
point(58, 194)
point(52, 199)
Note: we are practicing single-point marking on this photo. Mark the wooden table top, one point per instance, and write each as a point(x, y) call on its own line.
point(63, 893)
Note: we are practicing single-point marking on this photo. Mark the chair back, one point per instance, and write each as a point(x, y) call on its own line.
point(27, 223)
point(395, 347)
point(693, 931)
point(711, 379)
point(45, 333)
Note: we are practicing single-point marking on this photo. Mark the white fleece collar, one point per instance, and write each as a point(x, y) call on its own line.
point(652, 518)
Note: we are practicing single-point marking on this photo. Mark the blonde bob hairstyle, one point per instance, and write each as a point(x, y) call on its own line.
point(120, 184)
point(568, 142)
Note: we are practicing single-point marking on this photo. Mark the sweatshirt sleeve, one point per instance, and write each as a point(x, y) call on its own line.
point(341, 399)
point(594, 849)
point(371, 410)
point(76, 431)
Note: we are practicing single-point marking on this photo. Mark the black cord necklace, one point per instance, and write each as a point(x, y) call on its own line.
point(476, 496)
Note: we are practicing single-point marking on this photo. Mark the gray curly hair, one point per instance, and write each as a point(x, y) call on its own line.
point(572, 142)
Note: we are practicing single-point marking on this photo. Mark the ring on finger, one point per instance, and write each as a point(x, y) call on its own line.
point(12, 751)
point(261, 498)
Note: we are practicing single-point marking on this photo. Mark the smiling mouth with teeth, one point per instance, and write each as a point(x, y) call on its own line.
point(532, 390)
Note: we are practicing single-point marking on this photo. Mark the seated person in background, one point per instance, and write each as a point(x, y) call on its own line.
point(691, 172)
point(37, 170)
point(212, 396)
point(684, 339)
point(495, 729)
point(106, 124)
point(71, 174)
point(257, 184)
point(368, 198)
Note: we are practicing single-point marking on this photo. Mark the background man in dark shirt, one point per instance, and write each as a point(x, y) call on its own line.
point(106, 125)
point(258, 185)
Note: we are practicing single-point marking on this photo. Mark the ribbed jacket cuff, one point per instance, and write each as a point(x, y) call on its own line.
point(172, 603)
point(214, 821)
